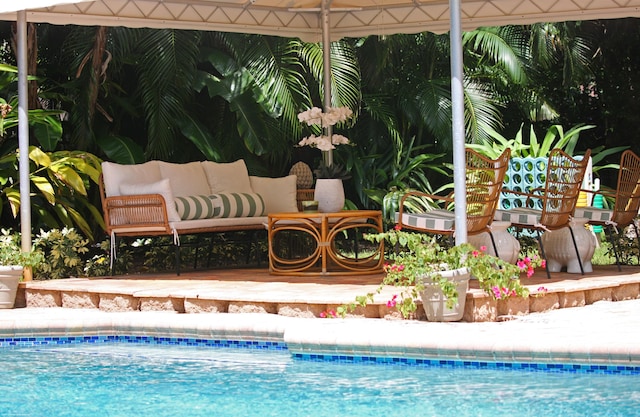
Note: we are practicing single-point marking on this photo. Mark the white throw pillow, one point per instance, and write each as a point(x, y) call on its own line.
point(231, 177)
point(279, 194)
point(186, 179)
point(162, 187)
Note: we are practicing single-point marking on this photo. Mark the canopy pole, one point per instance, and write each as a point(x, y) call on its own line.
point(23, 132)
point(326, 73)
point(457, 108)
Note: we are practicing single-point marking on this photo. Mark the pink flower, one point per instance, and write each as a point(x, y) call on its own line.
point(483, 248)
point(397, 227)
point(475, 253)
point(392, 303)
point(328, 314)
point(496, 292)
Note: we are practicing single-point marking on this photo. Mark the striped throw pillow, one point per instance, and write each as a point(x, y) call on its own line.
point(195, 207)
point(238, 205)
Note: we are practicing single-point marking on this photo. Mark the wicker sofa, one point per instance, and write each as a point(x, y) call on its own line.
point(160, 198)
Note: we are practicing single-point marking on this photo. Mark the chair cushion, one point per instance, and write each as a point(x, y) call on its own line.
point(231, 177)
point(435, 220)
point(116, 174)
point(196, 207)
point(280, 195)
point(594, 214)
point(519, 215)
point(162, 187)
point(238, 205)
point(186, 179)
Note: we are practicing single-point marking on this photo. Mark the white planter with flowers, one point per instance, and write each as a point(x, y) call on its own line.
point(437, 306)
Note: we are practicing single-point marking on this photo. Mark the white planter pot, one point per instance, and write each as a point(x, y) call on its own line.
point(434, 301)
point(329, 194)
point(9, 278)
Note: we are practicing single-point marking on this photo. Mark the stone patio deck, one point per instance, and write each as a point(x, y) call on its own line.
point(256, 291)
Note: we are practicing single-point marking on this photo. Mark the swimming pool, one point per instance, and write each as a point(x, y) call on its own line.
point(124, 376)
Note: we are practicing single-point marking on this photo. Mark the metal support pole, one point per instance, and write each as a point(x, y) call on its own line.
point(457, 107)
point(326, 75)
point(23, 132)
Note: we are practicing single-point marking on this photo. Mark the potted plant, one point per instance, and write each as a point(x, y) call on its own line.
point(424, 269)
point(14, 263)
point(329, 190)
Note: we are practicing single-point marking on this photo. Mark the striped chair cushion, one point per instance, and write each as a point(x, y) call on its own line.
point(434, 220)
point(238, 205)
point(519, 215)
point(195, 207)
point(594, 214)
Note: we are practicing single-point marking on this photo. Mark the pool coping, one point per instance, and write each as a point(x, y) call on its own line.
point(597, 334)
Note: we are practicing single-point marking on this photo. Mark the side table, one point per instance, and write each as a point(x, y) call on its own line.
point(332, 243)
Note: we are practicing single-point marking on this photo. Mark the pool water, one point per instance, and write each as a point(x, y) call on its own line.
point(139, 380)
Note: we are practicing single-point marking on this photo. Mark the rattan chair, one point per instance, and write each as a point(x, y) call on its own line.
point(484, 177)
point(558, 197)
point(626, 202)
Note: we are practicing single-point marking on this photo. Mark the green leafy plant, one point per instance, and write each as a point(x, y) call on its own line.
point(555, 137)
point(11, 252)
point(415, 255)
point(63, 250)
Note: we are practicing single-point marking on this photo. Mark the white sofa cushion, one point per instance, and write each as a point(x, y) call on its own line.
point(238, 205)
point(231, 177)
point(114, 175)
point(186, 179)
point(162, 187)
point(196, 207)
point(184, 226)
point(279, 194)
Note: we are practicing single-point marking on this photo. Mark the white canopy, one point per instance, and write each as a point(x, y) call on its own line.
point(301, 18)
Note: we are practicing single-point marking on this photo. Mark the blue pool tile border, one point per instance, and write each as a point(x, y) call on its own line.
point(447, 363)
point(15, 342)
point(7, 342)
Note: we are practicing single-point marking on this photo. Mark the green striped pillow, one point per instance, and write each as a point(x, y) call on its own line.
point(238, 205)
point(195, 207)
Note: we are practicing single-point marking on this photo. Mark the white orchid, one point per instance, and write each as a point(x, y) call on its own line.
point(333, 115)
point(321, 142)
point(326, 143)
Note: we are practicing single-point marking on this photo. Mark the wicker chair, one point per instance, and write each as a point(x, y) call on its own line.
point(626, 205)
point(559, 197)
point(484, 177)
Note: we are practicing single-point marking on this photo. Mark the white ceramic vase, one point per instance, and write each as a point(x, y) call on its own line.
point(434, 301)
point(329, 194)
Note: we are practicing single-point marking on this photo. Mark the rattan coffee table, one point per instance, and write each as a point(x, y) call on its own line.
point(324, 243)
